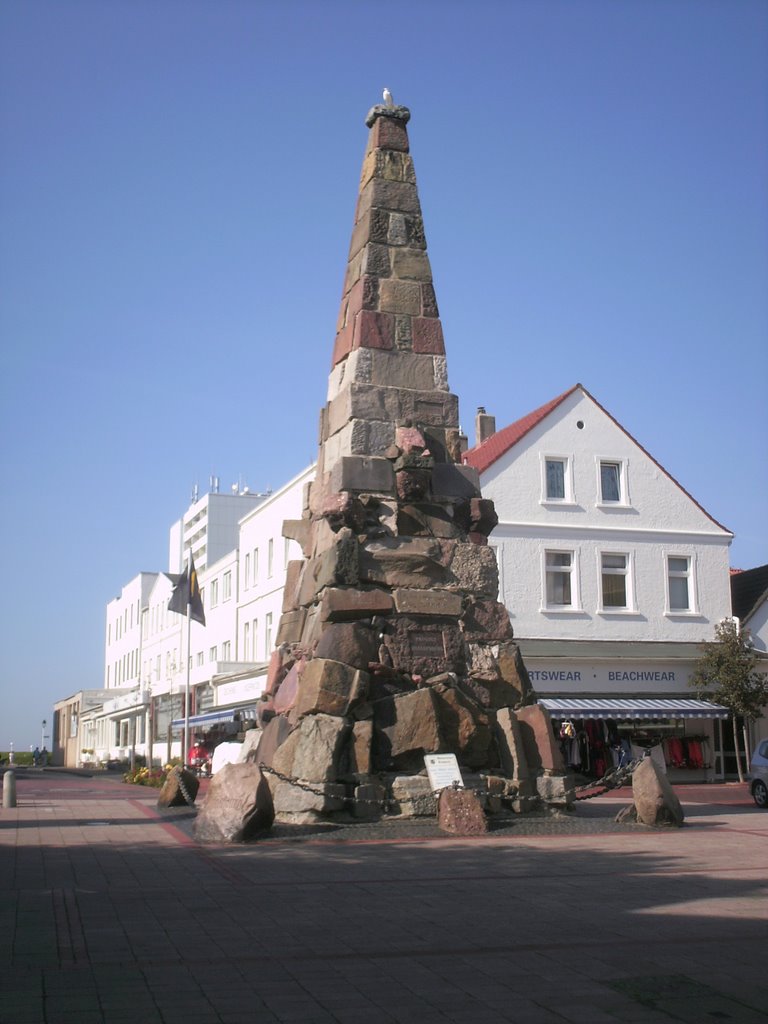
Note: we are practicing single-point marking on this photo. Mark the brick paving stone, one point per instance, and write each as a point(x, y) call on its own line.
point(453, 929)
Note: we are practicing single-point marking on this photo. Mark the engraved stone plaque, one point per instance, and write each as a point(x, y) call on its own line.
point(426, 644)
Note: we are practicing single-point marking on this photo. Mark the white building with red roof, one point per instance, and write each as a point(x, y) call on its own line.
point(612, 572)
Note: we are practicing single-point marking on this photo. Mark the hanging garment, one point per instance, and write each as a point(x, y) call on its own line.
point(695, 757)
point(675, 754)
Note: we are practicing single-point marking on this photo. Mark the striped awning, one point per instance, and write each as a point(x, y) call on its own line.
point(214, 717)
point(632, 708)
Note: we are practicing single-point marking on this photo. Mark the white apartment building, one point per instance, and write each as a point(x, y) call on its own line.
point(210, 526)
point(123, 639)
point(153, 656)
point(264, 555)
point(612, 573)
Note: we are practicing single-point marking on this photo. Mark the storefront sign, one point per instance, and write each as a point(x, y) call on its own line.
point(612, 677)
point(241, 689)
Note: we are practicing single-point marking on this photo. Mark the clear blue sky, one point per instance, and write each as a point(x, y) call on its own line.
point(177, 186)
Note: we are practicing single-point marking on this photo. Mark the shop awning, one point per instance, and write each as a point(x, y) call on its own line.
point(632, 708)
point(215, 717)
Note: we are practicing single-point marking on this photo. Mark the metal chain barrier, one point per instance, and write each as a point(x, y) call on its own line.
point(613, 779)
point(383, 804)
point(179, 773)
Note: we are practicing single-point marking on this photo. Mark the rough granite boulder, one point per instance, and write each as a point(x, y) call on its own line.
point(173, 794)
point(406, 727)
point(413, 797)
point(238, 806)
point(300, 806)
point(655, 801)
point(466, 728)
point(311, 752)
point(460, 811)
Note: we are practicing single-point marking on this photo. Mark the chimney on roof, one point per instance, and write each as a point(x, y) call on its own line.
point(485, 425)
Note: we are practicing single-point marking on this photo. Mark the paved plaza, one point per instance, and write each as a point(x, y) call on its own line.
point(112, 914)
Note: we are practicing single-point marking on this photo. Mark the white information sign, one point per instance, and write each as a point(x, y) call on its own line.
point(443, 771)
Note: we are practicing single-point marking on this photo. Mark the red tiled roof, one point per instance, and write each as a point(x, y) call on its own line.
point(484, 455)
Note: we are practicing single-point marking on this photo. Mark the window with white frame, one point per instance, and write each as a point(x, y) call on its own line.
point(560, 591)
point(268, 632)
point(679, 583)
point(554, 479)
point(557, 478)
point(255, 566)
point(226, 650)
point(227, 586)
point(200, 658)
point(213, 654)
point(214, 589)
point(270, 556)
point(247, 573)
point(613, 484)
point(614, 581)
point(255, 637)
point(246, 641)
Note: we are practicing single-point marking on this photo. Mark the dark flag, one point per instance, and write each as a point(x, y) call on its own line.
point(186, 594)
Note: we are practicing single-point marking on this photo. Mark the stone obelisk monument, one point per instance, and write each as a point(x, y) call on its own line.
point(392, 643)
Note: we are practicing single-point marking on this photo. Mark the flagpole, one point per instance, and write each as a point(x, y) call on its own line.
point(185, 751)
point(186, 599)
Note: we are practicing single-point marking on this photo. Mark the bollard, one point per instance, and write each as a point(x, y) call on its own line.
point(9, 789)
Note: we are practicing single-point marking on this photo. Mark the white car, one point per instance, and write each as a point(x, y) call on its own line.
point(758, 774)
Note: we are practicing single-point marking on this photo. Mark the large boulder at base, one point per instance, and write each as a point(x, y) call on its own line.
point(312, 751)
point(460, 811)
point(298, 805)
point(465, 727)
point(412, 797)
point(406, 727)
point(274, 733)
point(541, 747)
point(557, 790)
point(656, 802)
point(510, 743)
point(238, 806)
point(172, 793)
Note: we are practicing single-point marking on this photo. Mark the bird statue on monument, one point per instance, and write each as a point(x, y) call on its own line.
point(388, 98)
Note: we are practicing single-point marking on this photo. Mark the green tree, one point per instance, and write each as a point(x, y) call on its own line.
point(726, 674)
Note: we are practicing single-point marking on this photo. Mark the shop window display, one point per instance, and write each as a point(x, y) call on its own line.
point(593, 747)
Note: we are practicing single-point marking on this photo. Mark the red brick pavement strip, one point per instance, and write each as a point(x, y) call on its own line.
point(133, 921)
